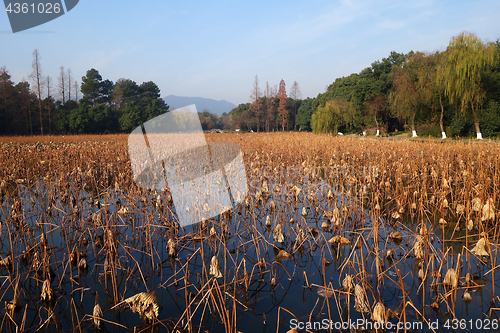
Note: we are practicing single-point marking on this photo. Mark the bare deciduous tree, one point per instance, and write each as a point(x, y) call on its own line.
point(49, 84)
point(68, 77)
point(267, 105)
point(76, 86)
point(62, 84)
point(255, 97)
point(295, 94)
point(37, 79)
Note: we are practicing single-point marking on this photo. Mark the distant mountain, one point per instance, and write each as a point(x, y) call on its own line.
point(213, 106)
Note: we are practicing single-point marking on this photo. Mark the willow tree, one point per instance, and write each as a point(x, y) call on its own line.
point(438, 64)
point(466, 57)
point(430, 82)
point(408, 89)
point(328, 118)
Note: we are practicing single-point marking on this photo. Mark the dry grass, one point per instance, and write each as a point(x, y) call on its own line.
point(71, 213)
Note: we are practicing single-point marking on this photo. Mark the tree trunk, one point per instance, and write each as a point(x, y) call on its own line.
point(476, 122)
point(41, 120)
point(31, 121)
point(413, 131)
point(258, 117)
point(441, 118)
point(295, 115)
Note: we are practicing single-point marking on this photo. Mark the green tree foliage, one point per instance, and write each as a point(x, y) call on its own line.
point(330, 117)
point(458, 89)
point(240, 117)
point(26, 102)
point(129, 89)
point(78, 119)
point(466, 58)
point(376, 107)
point(491, 78)
point(410, 88)
point(7, 93)
point(92, 119)
point(490, 121)
point(137, 104)
point(149, 90)
point(436, 63)
point(91, 86)
point(304, 114)
point(360, 88)
point(17, 104)
point(208, 120)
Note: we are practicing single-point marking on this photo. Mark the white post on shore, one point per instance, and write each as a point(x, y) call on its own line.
point(414, 134)
point(443, 135)
point(378, 132)
point(479, 136)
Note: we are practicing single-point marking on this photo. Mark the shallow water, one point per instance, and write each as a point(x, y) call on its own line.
point(142, 264)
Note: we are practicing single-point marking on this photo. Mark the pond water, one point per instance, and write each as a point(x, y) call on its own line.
point(131, 247)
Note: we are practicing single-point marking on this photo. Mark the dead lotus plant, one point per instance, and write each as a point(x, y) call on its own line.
point(145, 304)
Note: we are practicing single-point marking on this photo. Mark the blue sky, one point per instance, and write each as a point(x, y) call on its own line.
point(214, 49)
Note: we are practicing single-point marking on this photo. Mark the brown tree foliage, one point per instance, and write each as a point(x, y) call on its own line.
point(375, 106)
point(282, 111)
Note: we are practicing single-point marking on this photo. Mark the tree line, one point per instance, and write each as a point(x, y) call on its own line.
point(452, 92)
point(38, 106)
point(269, 109)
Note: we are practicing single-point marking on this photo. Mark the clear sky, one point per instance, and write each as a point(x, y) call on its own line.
point(214, 49)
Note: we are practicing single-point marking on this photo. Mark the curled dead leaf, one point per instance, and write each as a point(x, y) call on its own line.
point(482, 247)
point(339, 240)
point(282, 254)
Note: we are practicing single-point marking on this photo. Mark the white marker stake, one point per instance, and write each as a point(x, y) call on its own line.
point(479, 136)
point(443, 135)
point(414, 134)
point(378, 132)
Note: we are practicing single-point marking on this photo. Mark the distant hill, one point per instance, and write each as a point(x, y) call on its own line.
point(215, 107)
